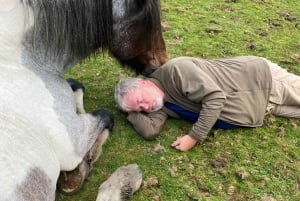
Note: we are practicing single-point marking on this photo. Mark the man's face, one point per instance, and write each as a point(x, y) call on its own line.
point(147, 98)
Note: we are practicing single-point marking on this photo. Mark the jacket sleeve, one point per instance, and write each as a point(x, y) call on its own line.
point(209, 114)
point(199, 88)
point(148, 125)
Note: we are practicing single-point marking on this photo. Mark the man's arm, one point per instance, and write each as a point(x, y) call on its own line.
point(148, 125)
point(209, 114)
point(200, 88)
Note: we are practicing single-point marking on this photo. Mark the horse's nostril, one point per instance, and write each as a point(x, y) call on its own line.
point(149, 69)
point(154, 62)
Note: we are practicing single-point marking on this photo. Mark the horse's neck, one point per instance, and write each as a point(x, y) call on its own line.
point(18, 49)
point(41, 59)
point(34, 60)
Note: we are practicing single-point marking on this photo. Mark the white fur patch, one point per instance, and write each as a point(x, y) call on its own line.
point(78, 94)
point(118, 9)
point(7, 5)
point(13, 24)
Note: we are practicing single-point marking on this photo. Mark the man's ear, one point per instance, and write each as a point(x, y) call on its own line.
point(143, 82)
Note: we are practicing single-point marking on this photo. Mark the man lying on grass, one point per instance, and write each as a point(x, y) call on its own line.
point(225, 93)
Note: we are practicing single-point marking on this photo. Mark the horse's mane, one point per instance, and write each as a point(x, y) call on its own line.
point(77, 28)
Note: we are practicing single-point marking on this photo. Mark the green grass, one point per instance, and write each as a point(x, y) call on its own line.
point(256, 164)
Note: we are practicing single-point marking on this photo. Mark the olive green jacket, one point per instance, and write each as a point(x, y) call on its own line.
point(235, 90)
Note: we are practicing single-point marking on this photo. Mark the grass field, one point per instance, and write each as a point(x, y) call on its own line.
point(244, 164)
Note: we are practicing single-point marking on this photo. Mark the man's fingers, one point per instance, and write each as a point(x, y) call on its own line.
point(176, 146)
point(176, 142)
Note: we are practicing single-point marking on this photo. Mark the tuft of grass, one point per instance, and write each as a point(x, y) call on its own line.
point(244, 164)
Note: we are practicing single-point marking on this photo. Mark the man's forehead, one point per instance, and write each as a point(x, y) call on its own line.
point(130, 98)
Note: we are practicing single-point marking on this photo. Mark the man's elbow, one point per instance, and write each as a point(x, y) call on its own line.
point(150, 135)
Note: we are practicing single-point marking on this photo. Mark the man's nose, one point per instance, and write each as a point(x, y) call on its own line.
point(145, 107)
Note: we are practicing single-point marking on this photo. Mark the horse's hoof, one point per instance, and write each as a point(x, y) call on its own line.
point(70, 182)
point(106, 117)
point(121, 184)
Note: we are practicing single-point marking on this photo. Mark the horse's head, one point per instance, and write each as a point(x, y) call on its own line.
point(59, 33)
point(137, 39)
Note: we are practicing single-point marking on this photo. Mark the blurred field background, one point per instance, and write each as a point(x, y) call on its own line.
point(244, 164)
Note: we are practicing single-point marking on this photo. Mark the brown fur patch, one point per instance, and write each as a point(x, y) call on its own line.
point(37, 186)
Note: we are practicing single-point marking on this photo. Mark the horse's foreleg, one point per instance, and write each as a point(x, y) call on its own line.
point(70, 182)
point(78, 90)
point(94, 153)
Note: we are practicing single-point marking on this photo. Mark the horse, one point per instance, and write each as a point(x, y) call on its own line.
point(44, 128)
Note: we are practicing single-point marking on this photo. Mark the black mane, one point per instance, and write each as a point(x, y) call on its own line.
point(73, 27)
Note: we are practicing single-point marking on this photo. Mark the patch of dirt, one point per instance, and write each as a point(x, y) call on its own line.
point(273, 23)
point(178, 40)
point(219, 163)
point(214, 22)
point(296, 57)
point(204, 192)
point(293, 123)
point(158, 148)
point(231, 190)
point(213, 30)
point(150, 182)
point(286, 62)
point(173, 171)
point(262, 183)
point(156, 198)
point(281, 131)
point(166, 26)
point(231, 1)
point(162, 159)
point(260, 1)
point(226, 8)
point(263, 32)
point(286, 15)
point(217, 132)
point(268, 198)
point(269, 120)
point(182, 159)
point(194, 195)
point(242, 173)
point(251, 46)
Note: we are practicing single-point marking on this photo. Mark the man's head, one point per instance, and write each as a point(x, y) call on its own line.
point(137, 94)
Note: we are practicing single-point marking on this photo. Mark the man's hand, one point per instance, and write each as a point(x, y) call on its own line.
point(184, 143)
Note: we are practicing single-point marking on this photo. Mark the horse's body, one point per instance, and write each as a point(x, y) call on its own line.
point(41, 133)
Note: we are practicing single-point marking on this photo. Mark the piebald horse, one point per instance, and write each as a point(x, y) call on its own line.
point(43, 127)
